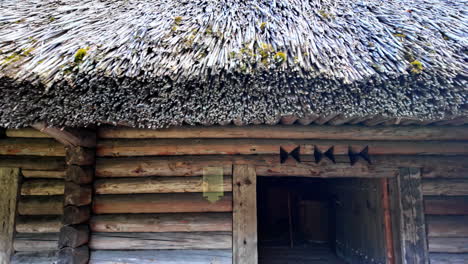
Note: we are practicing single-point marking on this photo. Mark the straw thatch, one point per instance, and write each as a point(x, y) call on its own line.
point(154, 63)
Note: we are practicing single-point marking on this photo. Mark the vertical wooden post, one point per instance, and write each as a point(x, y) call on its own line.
point(8, 195)
point(408, 224)
point(390, 251)
point(244, 215)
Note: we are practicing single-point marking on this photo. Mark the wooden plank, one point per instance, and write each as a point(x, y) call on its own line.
point(42, 257)
point(186, 222)
point(69, 136)
point(451, 205)
point(26, 133)
point(40, 205)
point(387, 219)
point(447, 226)
point(159, 203)
point(447, 258)
point(245, 215)
point(294, 132)
point(167, 147)
point(42, 187)
point(38, 224)
point(35, 241)
point(448, 244)
point(33, 163)
point(445, 187)
point(183, 240)
point(43, 174)
point(154, 185)
point(31, 147)
point(409, 216)
point(161, 256)
point(8, 196)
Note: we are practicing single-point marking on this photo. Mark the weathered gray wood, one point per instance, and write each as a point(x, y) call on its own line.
point(69, 255)
point(42, 257)
point(36, 241)
point(78, 195)
point(40, 205)
point(410, 217)
point(447, 258)
point(73, 215)
point(79, 174)
point(447, 226)
point(448, 244)
point(9, 178)
point(446, 205)
point(69, 136)
point(445, 186)
point(181, 240)
point(73, 236)
point(184, 222)
point(161, 257)
point(42, 187)
point(245, 215)
point(38, 224)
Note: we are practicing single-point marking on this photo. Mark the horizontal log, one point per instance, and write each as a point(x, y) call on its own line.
point(38, 224)
point(44, 174)
point(447, 226)
point(26, 133)
point(154, 185)
point(69, 136)
point(35, 241)
point(42, 257)
point(42, 187)
point(159, 203)
point(31, 147)
point(40, 205)
point(186, 222)
point(445, 187)
point(156, 147)
point(33, 163)
point(448, 244)
point(294, 132)
point(447, 258)
point(452, 205)
point(183, 240)
point(161, 257)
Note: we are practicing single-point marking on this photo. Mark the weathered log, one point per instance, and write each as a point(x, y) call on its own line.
point(42, 257)
point(159, 203)
point(73, 236)
point(38, 224)
point(46, 174)
point(31, 147)
point(40, 205)
point(35, 241)
point(452, 205)
point(182, 240)
point(26, 133)
point(447, 258)
point(445, 187)
point(42, 187)
point(161, 256)
point(9, 178)
point(79, 174)
point(69, 136)
point(69, 255)
point(154, 185)
point(33, 163)
point(77, 195)
point(448, 244)
point(73, 215)
point(80, 156)
point(447, 226)
point(155, 147)
point(186, 222)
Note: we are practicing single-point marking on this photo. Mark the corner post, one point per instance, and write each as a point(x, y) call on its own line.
point(9, 178)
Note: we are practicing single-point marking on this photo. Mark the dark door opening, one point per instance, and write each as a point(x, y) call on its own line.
point(307, 220)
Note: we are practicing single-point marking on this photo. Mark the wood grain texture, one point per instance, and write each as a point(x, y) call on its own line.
point(34, 242)
point(33, 163)
point(185, 222)
point(447, 226)
point(73, 236)
point(79, 174)
point(69, 136)
point(79, 255)
point(447, 258)
point(42, 187)
point(445, 187)
point(159, 203)
point(183, 240)
point(77, 195)
point(42, 257)
point(47, 174)
point(448, 205)
point(161, 257)
point(40, 205)
point(8, 196)
point(154, 185)
point(245, 215)
point(448, 244)
point(26, 133)
point(80, 156)
point(73, 215)
point(31, 147)
point(38, 224)
point(294, 132)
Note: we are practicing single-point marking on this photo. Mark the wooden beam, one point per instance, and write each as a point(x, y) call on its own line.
point(42, 257)
point(31, 147)
point(159, 203)
point(43, 174)
point(38, 224)
point(182, 240)
point(73, 215)
point(184, 256)
point(33, 163)
point(26, 133)
point(447, 226)
point(445, 187)
point(295, 132)
point(185, 222)
point(40, 205)
point(448, 205)
point(409, 217)
point(245, 215)
point(69, 136)
point(35, 241)
point(77, 195)
point(8, 195)
point(42, 187)
point(448, 244)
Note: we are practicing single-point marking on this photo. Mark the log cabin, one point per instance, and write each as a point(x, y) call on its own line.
point(216, 132)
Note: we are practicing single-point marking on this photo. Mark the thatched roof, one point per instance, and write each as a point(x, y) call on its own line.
point(153, 63)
